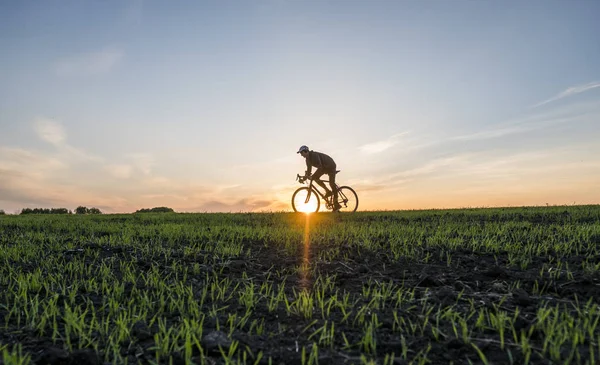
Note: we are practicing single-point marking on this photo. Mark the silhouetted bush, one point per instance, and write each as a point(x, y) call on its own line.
point(45, 211)
point(85, 210)
point(156, 210)
point(2, 212)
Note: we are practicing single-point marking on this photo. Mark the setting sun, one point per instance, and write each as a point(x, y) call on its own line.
point(300, 203)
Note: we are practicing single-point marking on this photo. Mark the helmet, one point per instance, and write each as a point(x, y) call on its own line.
point(302, 149)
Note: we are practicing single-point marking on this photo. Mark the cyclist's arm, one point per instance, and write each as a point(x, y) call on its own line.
point(308, 166)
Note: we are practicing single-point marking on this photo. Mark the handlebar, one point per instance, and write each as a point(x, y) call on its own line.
point(301, 179)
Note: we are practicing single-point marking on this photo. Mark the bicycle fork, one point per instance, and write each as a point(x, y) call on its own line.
point(308, 196)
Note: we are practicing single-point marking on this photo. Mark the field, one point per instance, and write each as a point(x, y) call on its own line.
point(470, 286)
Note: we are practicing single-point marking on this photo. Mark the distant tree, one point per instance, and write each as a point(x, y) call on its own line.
point(45, 211)
point(85, 210)
point(2, 212)
point(155, 210)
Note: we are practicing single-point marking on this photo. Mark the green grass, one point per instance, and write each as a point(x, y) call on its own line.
point(86, 281)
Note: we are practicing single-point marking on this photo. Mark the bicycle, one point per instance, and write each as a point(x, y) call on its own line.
point(308, 199)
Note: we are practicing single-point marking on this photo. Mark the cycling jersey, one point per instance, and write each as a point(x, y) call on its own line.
point(320, 161)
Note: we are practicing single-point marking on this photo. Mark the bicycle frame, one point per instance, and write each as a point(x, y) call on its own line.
point(312, 187)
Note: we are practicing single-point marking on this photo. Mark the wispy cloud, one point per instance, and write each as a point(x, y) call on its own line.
point(279, 161)
point(25, 187)
point(96, 62)
point(565, 114)
point(21, 160)
point(434, 166)
point(142, 161)
point(119, 171)
point(33, 178)
point(418, 172)
point(242, 205)
point(504, 131)
point(573, 90)
point(380, 146)
point(489, 167)
point(50, 130)
point(50, 178)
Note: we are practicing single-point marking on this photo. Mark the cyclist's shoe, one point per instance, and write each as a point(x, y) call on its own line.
point(337, 207)
point(328, 194)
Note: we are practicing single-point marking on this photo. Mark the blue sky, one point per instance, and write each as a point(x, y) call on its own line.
point(201, 106)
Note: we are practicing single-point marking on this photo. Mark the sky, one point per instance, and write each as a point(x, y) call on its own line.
point(201, 105)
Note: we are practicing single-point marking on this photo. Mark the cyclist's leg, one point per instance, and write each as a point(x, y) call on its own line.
point(317, 178)
point(333, 187)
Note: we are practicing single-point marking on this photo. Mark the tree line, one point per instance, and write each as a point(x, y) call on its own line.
point(85, 210)
point(46, 211)
point(156, 210)
point(78, 210)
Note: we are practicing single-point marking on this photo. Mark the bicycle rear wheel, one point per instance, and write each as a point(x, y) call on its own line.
point(348, 199)
point(299, 203)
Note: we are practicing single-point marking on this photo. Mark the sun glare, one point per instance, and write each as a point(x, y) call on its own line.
point(305, 268)
point(309, 207)
point(306, 207)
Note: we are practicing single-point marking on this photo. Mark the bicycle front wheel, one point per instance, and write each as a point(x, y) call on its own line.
point(348, 199)
point(301, 204)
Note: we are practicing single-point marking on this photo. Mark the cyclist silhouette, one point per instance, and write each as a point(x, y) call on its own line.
point(324, 165)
